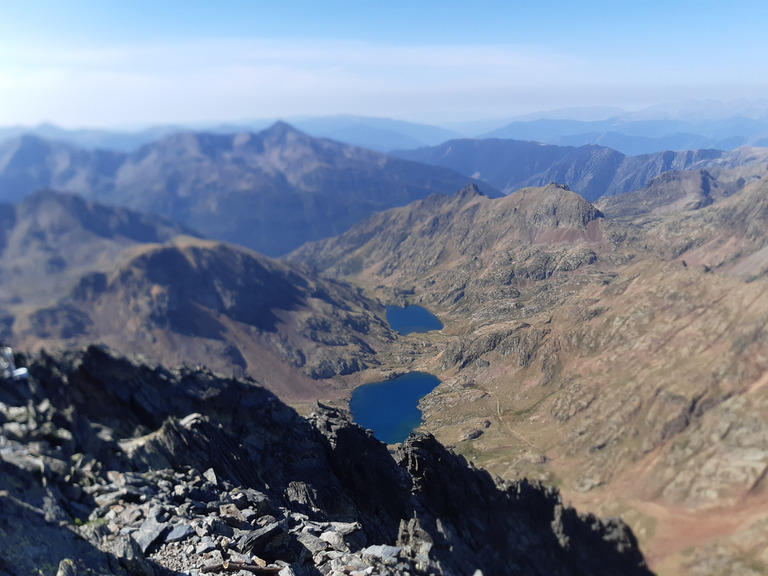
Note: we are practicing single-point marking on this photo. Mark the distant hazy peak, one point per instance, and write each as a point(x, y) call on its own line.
point(23, 144)
point(280, 129)
point(61, 212)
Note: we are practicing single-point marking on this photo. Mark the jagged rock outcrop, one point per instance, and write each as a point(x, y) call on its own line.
point(132, 469)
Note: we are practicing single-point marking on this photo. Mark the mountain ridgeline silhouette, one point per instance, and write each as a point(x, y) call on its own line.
point(271, 191)
point(592, 171)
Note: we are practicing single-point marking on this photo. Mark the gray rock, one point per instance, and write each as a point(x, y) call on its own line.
point(67, 568)
point(240, 500)
point(387, 554)
point(52, 510)
point(257, 540)
point(230, 514)
point(210, 475)
point(205, 547)
point(180, 531)
point(345, 528)
point(312, 543)
point(150, 533)
point(335, 539)
point(130, 556)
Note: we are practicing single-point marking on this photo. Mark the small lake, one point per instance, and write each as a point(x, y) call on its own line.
point(390, 408)
point(412, 319)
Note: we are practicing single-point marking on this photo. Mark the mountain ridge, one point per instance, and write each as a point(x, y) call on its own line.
point(591, 170)
point(670, 126)
point(269, 191)
point(74, 271)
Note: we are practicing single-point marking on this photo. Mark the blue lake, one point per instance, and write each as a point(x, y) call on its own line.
point(412, 319)
point(390, 408)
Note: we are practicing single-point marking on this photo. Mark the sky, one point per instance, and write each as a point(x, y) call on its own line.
point(113, 63)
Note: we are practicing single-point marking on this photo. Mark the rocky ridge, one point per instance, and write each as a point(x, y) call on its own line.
point(126, 468)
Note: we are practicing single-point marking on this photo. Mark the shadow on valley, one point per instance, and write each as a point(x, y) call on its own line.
point(227, 283)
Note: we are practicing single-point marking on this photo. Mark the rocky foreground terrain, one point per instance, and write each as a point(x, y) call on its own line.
point(110, 466)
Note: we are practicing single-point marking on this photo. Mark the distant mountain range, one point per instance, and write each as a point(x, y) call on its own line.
point(640, 136)
point(673, 126)
point(274, 190)
point(678, 126)
point(380, 134)
point(592, 171)
point(270, 191)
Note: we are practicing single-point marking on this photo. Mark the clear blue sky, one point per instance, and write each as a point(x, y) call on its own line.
point(109, 63)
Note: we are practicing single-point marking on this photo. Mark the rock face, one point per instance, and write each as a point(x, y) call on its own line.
point(271, 191)
point(128, 469)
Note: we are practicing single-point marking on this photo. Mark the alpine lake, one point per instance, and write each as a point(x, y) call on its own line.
point(391, 408)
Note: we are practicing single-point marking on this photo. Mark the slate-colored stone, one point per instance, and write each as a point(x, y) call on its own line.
point(257, 540)
point(180, 531)
point(150, 533)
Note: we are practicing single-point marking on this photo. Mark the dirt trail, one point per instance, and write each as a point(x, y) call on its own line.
point(512, 431)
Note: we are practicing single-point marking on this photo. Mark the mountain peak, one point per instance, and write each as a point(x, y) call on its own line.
point(556, 206)
point(557, 186)
point(280, 129)
point(469, 191)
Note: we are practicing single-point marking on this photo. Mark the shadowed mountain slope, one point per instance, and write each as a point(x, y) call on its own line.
point(48, 241)
point(74, 271)
point(220, 305)
point(269, 191)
